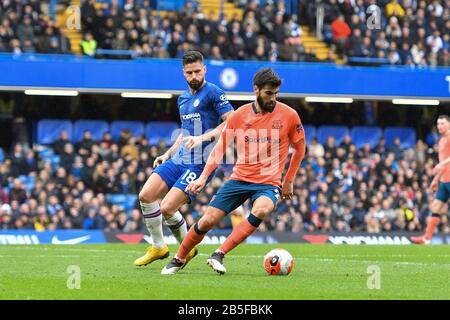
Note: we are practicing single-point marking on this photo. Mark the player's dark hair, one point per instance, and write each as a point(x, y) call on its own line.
point(192, 57)
point(444, 116)
point(266, 76)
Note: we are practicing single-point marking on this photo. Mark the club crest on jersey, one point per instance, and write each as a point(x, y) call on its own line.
point(276, 124)
point(196, 102)
point(299, 127)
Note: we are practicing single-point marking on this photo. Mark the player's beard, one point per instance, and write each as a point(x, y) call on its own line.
point(195, 85)
point(265, 106)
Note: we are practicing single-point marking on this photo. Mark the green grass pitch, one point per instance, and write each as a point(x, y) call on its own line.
point(320, 272)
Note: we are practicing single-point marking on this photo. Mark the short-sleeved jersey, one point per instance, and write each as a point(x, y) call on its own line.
point(262, 142)
point(444, 153)
point(200, 113)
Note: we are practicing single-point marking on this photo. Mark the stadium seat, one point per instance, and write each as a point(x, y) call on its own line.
point(154, 131)
point(407, 136)
point(362, 135)
point(2, 155)
point(117, 199)
point(130, 202)
point(169, 5)
point(310, 132)
point(49, 130)
point(96, 127)
point(136, 127)
point(338, 132)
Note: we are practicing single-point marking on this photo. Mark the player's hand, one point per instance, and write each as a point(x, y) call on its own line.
point(195, 187)
point(287, 190)
point(437, 169)
point(434, 185)
point(192, 141)
point(160, 160)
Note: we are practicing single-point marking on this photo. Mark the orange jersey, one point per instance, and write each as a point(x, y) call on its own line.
point(262, 142)
point(444, 153)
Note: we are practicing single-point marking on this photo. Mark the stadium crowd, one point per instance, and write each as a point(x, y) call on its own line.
point(409, 32)
point(405, 32)
point(339, 188)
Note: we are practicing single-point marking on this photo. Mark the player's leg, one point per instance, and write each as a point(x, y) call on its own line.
point(195, 235)
point(436, 208)
point(170, 205)
point(264, 199)
point(178, 196)
point(157, 184)
point(229, 197)
point(262, 207)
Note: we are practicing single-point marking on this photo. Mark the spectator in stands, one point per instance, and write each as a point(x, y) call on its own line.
point(58, 145)
point(67, 157)
point(88, 45)
point(316, 149)
point(341, 32)
point(393, 8)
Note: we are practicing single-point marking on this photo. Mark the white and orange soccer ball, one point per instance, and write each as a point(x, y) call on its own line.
point(278, 262)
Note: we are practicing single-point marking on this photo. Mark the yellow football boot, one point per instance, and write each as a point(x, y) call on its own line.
point(152, 255)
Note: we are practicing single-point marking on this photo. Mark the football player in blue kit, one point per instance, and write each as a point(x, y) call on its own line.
point(202, 109)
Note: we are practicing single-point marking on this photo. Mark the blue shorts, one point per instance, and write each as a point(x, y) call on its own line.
point(234, 193)
point(443, 193)
point(180, 175)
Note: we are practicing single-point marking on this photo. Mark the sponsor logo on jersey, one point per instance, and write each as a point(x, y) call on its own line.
point(191, 116)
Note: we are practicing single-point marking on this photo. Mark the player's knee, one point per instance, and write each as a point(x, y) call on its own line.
point(260, 212)
point(206, 223)
point(436, 206)
point(146, 197)
point(167, 208)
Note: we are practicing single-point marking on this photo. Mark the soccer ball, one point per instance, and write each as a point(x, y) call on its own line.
point(278, 262)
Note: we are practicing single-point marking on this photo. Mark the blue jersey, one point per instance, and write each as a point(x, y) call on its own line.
point(200, 113)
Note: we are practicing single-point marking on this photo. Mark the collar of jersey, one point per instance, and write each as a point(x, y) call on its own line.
point(256, 111)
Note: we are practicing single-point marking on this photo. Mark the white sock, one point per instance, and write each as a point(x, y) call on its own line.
point(153, 220)
point(177, 225)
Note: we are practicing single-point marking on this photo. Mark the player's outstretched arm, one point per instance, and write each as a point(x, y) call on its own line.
point(195, 141)
point(287, 190)
point(214, 159)
point(166, 156)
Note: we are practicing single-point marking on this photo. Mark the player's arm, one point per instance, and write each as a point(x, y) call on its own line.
point(213, 161)
point(195, 141)
point(166, 156)
point(297, 137)
point(438, 168)
point(435, 183)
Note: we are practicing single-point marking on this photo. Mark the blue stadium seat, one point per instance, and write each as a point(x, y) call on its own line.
point(170, 5)
point(49, 130)
point(338, 132)
point(310, 132)
point(2, 155)
point(130, 202)
point(46, 152)
point(136, 127)
point(362, 135)
point(96, 127)
point(118, 199)
point(407, 136)
point(154, 131)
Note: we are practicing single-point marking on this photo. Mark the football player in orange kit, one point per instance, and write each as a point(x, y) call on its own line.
point(441, 181)
point(263, 131)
